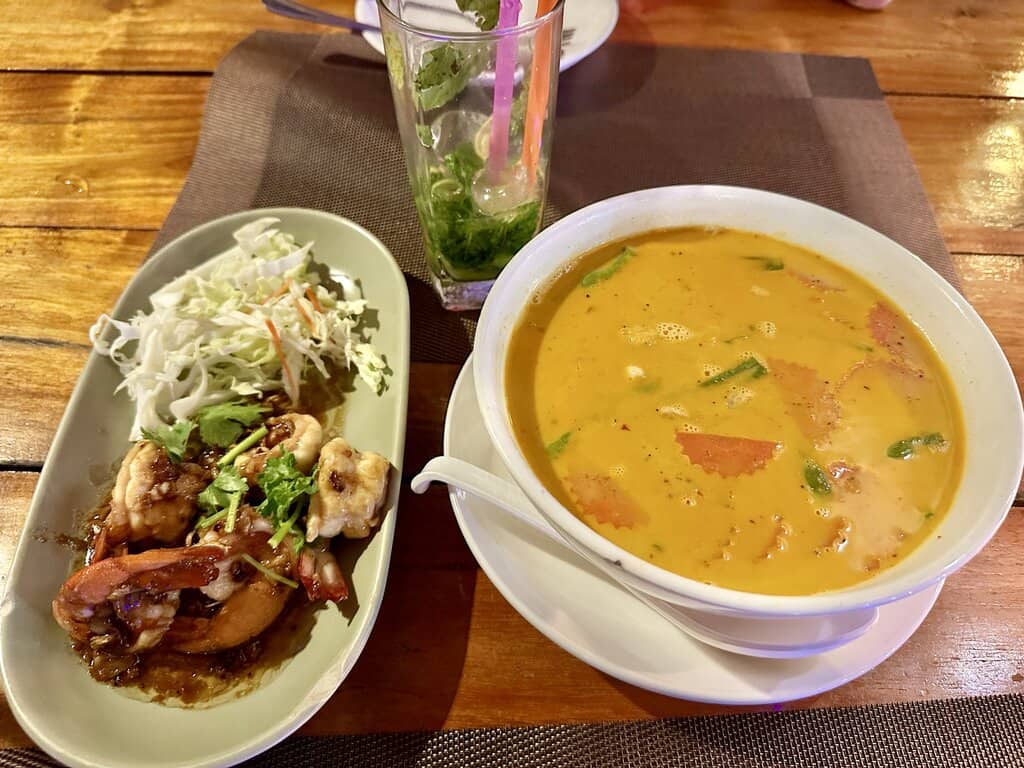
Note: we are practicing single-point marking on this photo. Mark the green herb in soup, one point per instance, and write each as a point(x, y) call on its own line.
point(904, 449)
point(751, 364)
point(816, 478)
point(605, 271)
point(768, 423)
point(769, 264)
point(555, 447)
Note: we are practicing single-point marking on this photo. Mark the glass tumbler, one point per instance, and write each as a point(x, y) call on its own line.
point(474, 96)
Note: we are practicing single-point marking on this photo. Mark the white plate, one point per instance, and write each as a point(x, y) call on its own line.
point(599, 623)
point(81, 722)
point(591, 22)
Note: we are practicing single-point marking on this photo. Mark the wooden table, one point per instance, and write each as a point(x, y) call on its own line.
point(99, 112)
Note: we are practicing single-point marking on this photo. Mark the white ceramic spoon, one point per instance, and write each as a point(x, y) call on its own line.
point(776, 638)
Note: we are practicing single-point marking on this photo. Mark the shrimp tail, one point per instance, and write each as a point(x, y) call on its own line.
point(321, 575)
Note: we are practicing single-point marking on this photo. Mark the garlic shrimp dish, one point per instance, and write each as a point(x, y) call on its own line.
point(231, 513)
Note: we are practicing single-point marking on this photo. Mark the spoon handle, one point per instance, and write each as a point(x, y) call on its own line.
point(478, 482)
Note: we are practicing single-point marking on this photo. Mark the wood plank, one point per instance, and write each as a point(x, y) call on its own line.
point(995, 287)
point(35, 383)
point(183, 36)
point(971, 159)
point(16, 489)
point(439, 654)
point(58, 281)
point(945, 46)
point(88, 151)
point(127, 143)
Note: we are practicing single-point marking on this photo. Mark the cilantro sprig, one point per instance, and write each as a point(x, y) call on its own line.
point(270, 573)
point(241, 447)
point(287, 492)
point(173, 439)
point(221, 424)
point(221, 499)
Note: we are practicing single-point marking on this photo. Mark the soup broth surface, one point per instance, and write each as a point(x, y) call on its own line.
point(735, 409)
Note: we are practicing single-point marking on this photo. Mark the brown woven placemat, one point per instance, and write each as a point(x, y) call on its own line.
point(973, 733)
point(307, 120)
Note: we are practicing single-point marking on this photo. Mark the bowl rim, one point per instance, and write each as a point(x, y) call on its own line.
point(666, 584)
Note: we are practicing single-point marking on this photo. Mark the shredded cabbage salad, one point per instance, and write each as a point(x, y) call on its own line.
point(256, 322)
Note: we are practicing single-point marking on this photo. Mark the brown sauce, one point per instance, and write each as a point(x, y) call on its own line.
point(190, 680)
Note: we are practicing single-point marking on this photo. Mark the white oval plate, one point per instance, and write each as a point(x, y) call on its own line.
point(84, 723)
point(591, 22)
point(598, 622)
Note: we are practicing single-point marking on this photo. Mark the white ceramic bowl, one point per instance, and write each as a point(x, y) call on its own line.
point(984, 383)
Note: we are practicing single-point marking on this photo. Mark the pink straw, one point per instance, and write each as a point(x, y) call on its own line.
point(504, 84)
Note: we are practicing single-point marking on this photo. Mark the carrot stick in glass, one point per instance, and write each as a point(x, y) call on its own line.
point(537, 101)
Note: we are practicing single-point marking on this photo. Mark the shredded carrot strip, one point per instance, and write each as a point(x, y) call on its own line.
point(304, 314)
point(313, 299)
point(285, 286)
point(280, 354)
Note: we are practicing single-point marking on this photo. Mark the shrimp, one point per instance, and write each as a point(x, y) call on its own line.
point(153, 499)
point(316, 566)
point(298, 433)
point(241, 617)
point(321, 575)
point(351, 488)
point(251, 532)
point(246, 601)
point(131, 595)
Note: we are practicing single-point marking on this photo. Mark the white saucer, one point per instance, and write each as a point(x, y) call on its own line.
point(599, 623)
point(591, 22)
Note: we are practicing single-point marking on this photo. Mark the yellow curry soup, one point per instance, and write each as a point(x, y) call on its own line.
point(735, 409)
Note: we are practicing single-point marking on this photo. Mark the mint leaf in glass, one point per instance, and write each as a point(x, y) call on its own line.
point(443, 74)
point(485, 12)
